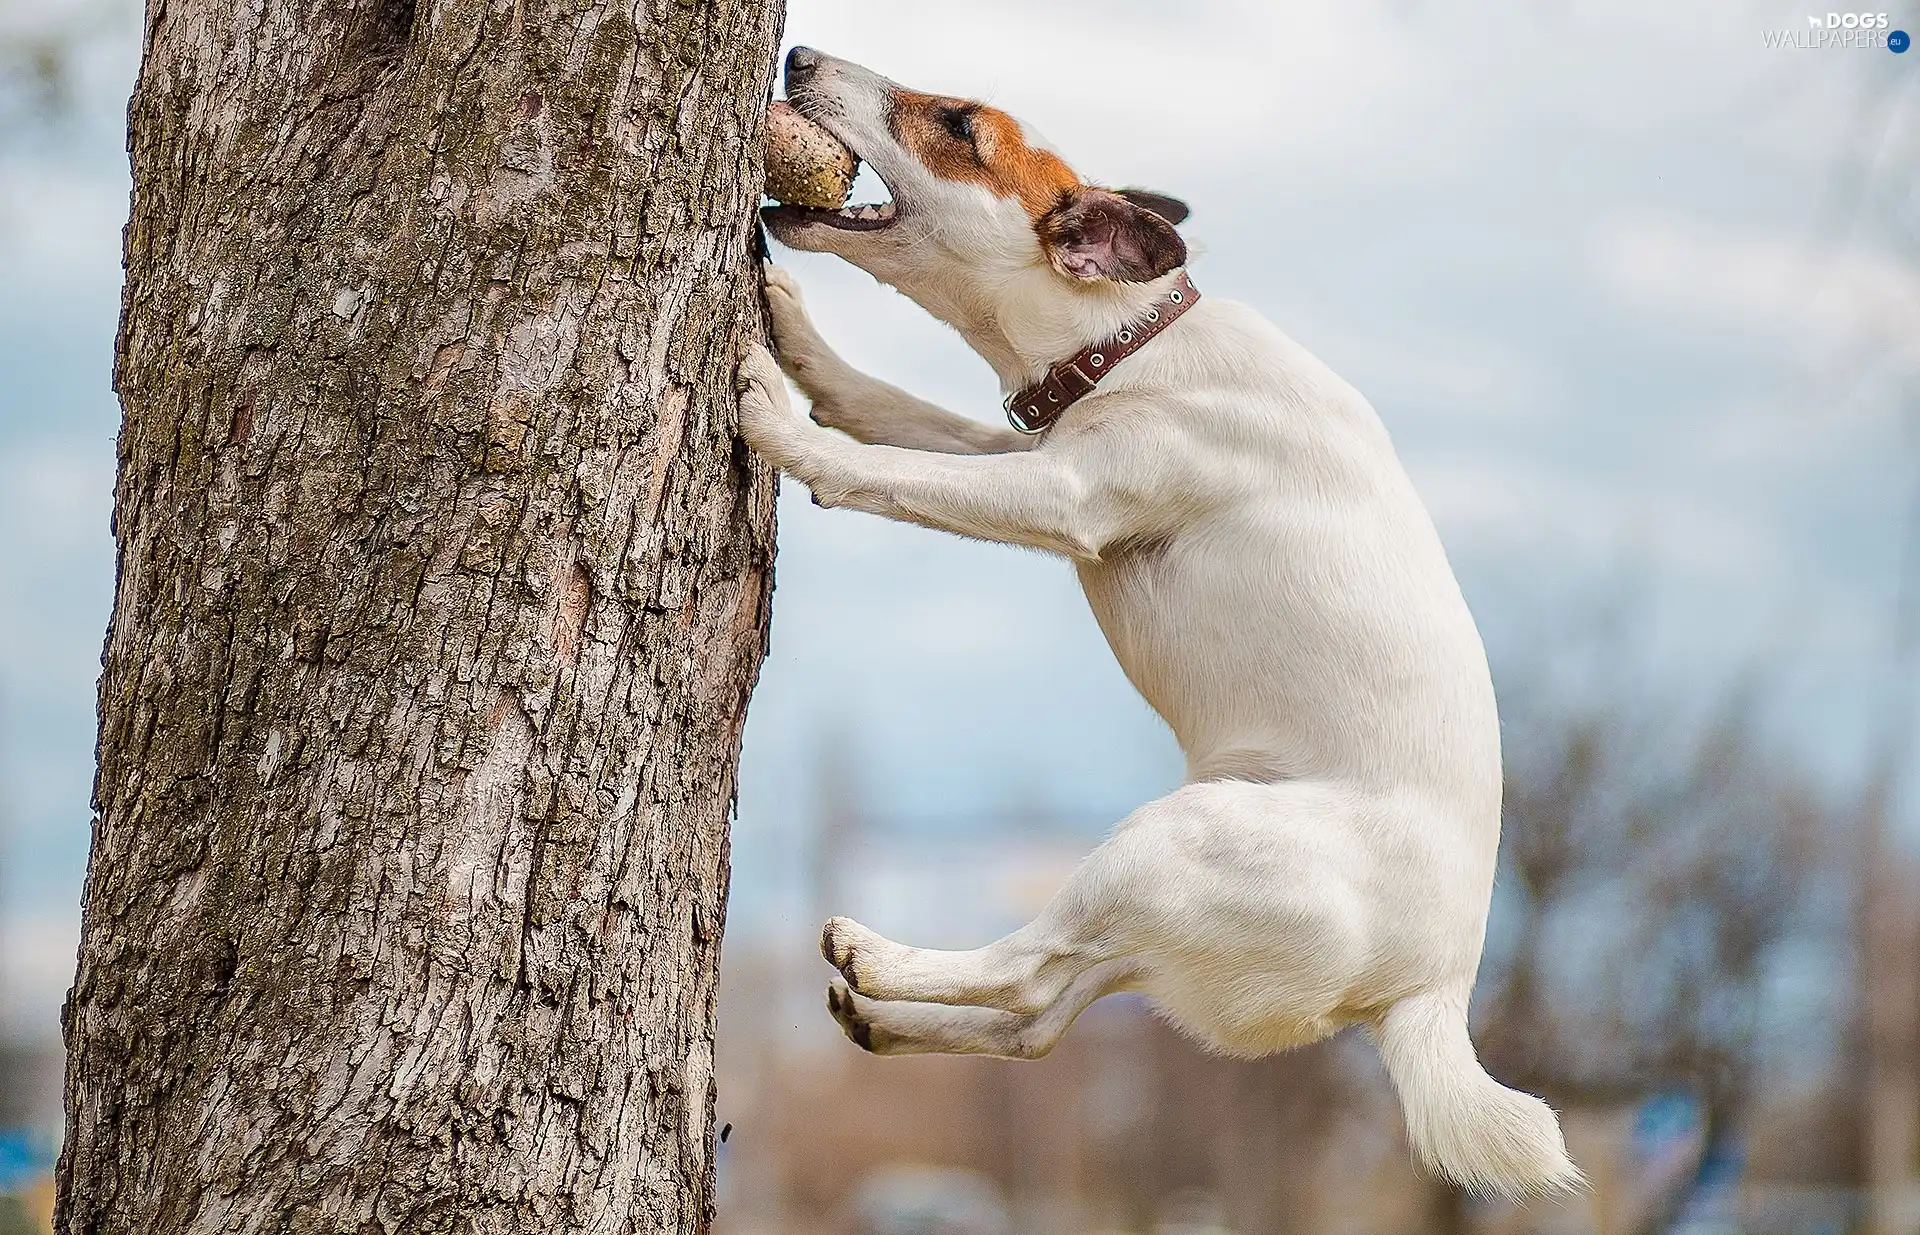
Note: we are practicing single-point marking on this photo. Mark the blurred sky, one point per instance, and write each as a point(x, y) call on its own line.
point(1602, 268)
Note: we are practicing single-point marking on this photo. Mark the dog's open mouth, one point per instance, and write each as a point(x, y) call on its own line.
point(853, 217)
point(868, 217)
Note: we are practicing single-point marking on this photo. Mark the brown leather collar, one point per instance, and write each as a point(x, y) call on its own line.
point(1034, 409)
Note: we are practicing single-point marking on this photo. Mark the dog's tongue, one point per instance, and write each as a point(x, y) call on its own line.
point(806, 165)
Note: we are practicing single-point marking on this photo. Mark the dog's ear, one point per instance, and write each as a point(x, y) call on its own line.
point(1172, 209)
point(1098, 234)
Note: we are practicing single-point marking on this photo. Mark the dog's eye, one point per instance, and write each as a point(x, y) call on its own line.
point(959, 122)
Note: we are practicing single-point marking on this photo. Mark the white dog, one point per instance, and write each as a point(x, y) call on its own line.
point(1267, 577)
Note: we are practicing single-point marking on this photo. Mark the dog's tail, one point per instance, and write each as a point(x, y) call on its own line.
point(1464, 1124)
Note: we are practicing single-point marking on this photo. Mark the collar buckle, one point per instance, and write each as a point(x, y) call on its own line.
point(1025, 415)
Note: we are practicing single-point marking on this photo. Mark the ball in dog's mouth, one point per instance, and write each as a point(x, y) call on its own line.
point(810, 172)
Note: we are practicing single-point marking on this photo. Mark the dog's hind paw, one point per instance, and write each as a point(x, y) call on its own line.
point(836, 944)
point(846, 944)
point(845, 1006)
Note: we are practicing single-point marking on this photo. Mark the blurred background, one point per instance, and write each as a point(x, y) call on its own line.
point(1636, 287)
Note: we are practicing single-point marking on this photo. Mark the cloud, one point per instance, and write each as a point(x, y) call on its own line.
point(1447, 375)
point(1516, 510)
point(1206, 85)
point(1815, 299)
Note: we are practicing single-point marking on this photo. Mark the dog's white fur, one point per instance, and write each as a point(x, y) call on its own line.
point(1272, 585)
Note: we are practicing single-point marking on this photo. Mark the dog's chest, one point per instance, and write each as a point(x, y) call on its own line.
point(1146, 600)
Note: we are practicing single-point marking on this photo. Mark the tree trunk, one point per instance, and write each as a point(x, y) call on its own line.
point(443, 581)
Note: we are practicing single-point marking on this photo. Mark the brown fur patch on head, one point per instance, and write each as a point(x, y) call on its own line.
point(972, 143)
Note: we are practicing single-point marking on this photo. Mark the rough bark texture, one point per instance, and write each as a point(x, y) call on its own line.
point(442, 584)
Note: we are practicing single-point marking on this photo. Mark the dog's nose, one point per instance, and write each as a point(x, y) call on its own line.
point(801, 62)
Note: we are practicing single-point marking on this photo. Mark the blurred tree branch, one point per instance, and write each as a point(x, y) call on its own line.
point(1656, 871)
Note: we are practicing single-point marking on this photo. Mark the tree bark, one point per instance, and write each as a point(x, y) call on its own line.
point(442, 583)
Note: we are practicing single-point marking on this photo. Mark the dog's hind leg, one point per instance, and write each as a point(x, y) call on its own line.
point(900, 1028)
point(1242, 905)
point(1023, 973)
point(1092, 920)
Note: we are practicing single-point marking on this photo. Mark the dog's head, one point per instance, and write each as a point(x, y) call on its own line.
point(986, 224)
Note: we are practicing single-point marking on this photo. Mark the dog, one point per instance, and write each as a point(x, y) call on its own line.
point(1265, 574)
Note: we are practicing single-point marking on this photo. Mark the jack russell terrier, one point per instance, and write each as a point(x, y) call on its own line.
point(1264, 572)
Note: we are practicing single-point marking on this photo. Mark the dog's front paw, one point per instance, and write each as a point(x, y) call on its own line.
point(767, 418)
point(783, 287)
point(802, 353)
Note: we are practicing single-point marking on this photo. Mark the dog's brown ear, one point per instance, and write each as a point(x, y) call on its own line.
point(1172, 209)
point(1099, 234)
